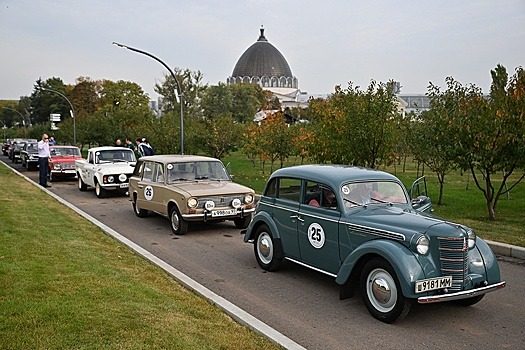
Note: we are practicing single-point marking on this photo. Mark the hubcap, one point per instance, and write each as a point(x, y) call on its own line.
point(265, 248)
point(381, 290)
point(175, 221)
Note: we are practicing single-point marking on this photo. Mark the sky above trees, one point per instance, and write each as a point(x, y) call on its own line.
point(325, 43)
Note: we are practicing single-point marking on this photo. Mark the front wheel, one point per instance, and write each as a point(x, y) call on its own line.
point(139, 212)
point(265, 247)
point(179, 226)
point(382, 292)
point(100, 191)
point(242, 222)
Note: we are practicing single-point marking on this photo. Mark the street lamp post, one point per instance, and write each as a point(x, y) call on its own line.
point(23, 118)
point(70, 112)
point(176, 81)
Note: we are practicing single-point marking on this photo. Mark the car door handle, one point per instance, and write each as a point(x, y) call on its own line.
point(296, 217)
point(140, 186)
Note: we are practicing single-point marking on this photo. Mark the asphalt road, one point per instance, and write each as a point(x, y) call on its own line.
point(302, 304)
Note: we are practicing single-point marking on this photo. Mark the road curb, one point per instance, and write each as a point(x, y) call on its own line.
point(238, 314)
point(507, 249)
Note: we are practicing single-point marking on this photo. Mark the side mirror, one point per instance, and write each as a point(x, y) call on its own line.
point(419, 195)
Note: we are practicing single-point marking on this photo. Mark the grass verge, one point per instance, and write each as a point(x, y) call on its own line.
point(65, 284)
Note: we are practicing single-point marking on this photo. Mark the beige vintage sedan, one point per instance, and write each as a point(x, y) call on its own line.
point(187, 188)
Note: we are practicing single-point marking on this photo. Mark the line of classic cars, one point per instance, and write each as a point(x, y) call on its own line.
point(360, 226)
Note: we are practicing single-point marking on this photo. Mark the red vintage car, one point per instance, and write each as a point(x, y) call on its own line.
point(62, 161)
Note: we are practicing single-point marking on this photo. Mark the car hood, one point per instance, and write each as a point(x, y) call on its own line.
point(207, 188)
point(65, 159)
point(402, 221)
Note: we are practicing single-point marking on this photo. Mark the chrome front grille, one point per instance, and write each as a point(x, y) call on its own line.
point(220, 201)
point(453, 255)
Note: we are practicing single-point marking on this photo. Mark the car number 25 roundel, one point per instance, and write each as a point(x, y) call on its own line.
point(316, 235)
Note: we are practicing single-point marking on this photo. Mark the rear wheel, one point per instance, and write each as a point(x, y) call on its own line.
point(81, 184)
point(179, 226)
point(242, 222)
point(382, 292)
point(264, 248)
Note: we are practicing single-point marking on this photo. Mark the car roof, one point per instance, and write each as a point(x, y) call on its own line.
point(108, 148)
point(178, 158)
point(333, 174)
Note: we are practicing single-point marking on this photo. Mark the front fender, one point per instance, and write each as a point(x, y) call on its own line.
point(259, 219)
point(402, 260)
point(491, 267)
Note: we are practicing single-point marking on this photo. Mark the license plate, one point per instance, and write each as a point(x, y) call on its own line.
point(433, 284)
point(223, 212)
point(126, 185)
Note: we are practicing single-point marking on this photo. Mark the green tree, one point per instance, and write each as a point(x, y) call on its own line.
point(490, 134)
point(219, 136)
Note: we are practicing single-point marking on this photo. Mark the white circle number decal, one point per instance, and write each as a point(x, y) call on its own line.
point(148, 193)
point(316, 235)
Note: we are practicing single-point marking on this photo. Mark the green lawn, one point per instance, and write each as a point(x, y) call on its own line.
point(65, 284)
point(463, 201)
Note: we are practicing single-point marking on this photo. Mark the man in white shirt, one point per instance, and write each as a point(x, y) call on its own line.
point(43, 160)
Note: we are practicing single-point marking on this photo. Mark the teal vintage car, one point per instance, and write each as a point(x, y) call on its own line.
point(362, 227)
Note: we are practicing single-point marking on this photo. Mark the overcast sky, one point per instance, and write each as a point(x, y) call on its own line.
point(326, 43)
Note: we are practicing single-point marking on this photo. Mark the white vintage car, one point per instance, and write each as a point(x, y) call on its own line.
point(105, 169)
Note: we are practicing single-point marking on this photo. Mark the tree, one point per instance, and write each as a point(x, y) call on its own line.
point(355, 127)
point(490, 134)
point(219, 136)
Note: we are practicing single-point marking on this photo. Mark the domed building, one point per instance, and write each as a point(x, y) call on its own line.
point(263, 64)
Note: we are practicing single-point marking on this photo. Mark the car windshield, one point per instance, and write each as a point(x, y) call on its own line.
point(202, 170)
point(109, 156)
point(65, 151)
point(372, 192)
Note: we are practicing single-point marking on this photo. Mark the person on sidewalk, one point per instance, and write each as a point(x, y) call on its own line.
point(43, 160)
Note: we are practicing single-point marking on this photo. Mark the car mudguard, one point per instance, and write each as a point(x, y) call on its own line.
point(490, 268)
point(402, 260)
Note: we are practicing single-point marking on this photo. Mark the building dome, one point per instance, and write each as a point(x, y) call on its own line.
point(263, 64)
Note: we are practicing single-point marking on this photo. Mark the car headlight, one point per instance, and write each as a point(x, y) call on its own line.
point(111, 178)
point(192, 203)
point(248, 198)
point(471, 238)
point(422, 245)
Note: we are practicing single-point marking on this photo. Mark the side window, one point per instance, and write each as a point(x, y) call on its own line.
point(90, 157)
point(138, 169)
point(289, 189)
point(271, 188)
point(160, 172)
point(319, 195)
point(148, 171)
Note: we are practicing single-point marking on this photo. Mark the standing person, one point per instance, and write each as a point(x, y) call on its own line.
point(118, 143)
point(144, 148)
point(43, 160)
point(52, 141)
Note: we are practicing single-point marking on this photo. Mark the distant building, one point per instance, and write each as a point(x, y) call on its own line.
point(263, 64)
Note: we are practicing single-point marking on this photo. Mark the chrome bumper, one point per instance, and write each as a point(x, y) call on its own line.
point(461, 295)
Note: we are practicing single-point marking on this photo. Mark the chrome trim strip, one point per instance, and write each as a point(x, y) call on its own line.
point(376, 232)
point(311, 267)
point(461, 295)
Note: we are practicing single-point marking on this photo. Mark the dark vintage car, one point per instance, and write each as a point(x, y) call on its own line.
point(14, 151)
point(362, 227)
point(187, 188)
point(29, 155)
point(62, 162)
